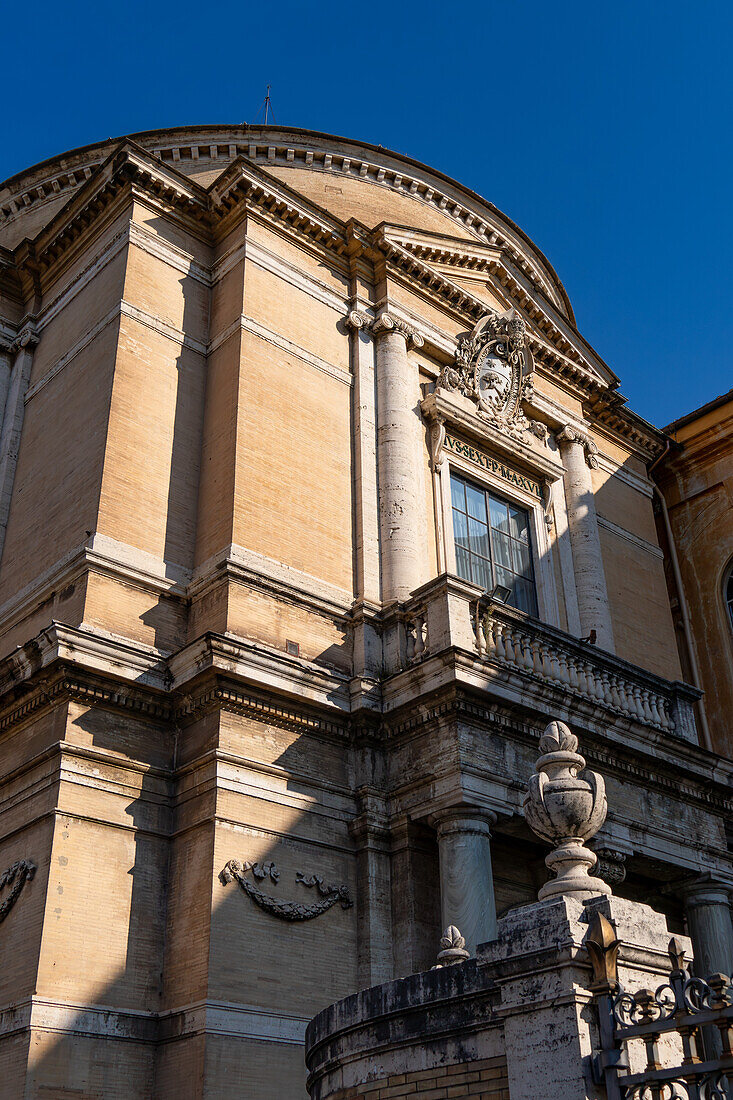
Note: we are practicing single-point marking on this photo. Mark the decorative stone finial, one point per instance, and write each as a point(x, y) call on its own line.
point(566, 810)
point(453, 948)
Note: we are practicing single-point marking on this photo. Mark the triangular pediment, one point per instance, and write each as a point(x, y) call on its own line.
point(501, 280)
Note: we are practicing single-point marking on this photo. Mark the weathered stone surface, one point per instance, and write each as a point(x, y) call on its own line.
point(217, 643)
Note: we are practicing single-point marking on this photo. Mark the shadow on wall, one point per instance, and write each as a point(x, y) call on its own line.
point(182, 385)
point(142, 951)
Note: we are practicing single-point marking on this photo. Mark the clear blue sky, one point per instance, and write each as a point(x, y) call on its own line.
point(604, 130)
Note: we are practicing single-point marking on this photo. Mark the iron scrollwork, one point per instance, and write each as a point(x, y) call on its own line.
point(681, 1006)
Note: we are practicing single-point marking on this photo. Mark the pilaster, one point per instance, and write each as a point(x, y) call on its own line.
point(578, 454)
point(370, 833)
point(16, 385)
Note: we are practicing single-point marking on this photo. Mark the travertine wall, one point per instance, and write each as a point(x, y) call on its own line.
point(199, 661)
point(696, 479)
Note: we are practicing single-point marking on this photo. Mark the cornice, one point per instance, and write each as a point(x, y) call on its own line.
point(690, 775)
point(243, 188)
point(453, 409)
point(318, 152)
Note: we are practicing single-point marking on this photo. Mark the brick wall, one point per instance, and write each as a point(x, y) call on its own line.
point(485, 1079)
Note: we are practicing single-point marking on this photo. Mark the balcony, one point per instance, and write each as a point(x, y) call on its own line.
point(530, 661)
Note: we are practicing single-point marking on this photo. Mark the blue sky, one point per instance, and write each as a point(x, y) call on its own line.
point(604, 130)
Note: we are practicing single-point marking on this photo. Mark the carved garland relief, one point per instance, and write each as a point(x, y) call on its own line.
point(330, 893)
point(21, 872)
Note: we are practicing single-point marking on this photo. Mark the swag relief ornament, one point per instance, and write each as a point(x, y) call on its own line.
point(329, 893)
point(493, 367)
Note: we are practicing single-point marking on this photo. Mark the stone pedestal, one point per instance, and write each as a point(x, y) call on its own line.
point(399, 454)
point(466, 879)
point(541, 966)
point(585, 543)
point(518, 1020)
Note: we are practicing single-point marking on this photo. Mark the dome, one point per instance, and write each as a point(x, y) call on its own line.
point(350, 179)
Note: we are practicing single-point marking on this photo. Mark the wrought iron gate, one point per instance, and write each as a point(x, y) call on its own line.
point(682, 1006)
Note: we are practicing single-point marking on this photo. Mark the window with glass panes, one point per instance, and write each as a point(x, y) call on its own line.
point(493, 543)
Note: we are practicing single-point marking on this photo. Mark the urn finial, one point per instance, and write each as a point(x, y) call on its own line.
point(566, 809)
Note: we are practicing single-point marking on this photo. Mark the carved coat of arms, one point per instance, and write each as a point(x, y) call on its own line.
point(492, 367)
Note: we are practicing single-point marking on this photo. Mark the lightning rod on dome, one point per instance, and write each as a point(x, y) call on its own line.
point(266, 109)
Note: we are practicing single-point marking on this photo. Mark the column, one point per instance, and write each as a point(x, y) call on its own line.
point(590, 580)
point(399, 459)
point(707, 907)
point(466, 879)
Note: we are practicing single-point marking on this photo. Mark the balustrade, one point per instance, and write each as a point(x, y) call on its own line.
point(448, 613)
point(531, 650)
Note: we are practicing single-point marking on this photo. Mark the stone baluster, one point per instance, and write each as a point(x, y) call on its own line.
point(536, 657)
point(487, 628)
point(527, 658)
point(591, 678)
point(664, 710)
point(466, 878)
point(646, 714)
point(627, 698)
point(399, 459)
point(573, 674)
point(499, 647)
point(517, 658)
point(654, 701)
point(607, 693)
point(563, 673)
point(409, 629)
point(590, 581)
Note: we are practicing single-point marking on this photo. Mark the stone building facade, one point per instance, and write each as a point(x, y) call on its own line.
point(695, 510)
point(314, 505)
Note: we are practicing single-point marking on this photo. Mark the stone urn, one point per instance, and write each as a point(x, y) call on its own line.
point(566, 809)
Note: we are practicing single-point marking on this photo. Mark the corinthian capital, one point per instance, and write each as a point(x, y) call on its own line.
point(571, 434)
point(386, 323)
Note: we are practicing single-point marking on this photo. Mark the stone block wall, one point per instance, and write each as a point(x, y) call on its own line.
point(485, 1079)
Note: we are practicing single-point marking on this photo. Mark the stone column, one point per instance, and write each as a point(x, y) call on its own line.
point(578, 455)
point(466, 879)
point(707, 907)
point(399, 459)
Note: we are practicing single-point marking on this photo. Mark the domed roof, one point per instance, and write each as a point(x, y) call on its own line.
point(350, 179)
